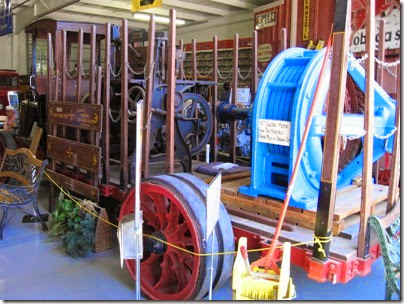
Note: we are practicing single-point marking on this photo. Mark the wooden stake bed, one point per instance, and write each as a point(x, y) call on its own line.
point(244, 211)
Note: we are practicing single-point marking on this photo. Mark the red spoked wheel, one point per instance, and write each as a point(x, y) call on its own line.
point(171, 212)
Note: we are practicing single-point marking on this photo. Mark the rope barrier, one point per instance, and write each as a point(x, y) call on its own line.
point(317, 240)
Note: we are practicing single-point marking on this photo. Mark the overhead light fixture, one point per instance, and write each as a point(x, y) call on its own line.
point(159, 19)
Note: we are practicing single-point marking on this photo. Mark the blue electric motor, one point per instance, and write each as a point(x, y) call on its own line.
point(280, 110)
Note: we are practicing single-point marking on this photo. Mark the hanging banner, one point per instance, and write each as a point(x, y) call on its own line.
point(6, 18)
point(138, 5)
point(392, 28)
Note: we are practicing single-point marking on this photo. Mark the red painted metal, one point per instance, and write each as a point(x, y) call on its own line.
point(171, 275)
point(333, 270)
point(112, 191)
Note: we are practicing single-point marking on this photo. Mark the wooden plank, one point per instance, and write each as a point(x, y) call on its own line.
point(76, 186)
point(71, 152)
point(367, 184)
point(328, 186)
point(349, 202)
point(83, 116)
point(258, 218)
point(231, 187)
point(268, 210)
point(395, 158)
point(36, 138)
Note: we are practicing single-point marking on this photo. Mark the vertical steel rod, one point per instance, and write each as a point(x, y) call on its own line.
point(170, 94)
point(367, 183)
point(234, 99)
point(107, 79)
point(124, 106)
point(150, 71)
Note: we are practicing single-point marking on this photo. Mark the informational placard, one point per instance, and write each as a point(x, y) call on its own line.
point(275, 132)
point(83, 116)
point(393, 34)
point(306, 20)
point(243, 96)
point(265, 20)
point(213, 204)
point(6, 18)
point(264, 52)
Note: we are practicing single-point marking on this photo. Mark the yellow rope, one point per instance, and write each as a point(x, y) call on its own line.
point(322, 239)
point(317, 240)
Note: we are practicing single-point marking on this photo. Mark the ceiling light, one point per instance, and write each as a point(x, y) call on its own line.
point(159, 19)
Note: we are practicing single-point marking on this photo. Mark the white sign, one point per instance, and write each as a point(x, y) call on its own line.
point(274, 132)
point(213, 204)
point(243, 96)
point(392, 38)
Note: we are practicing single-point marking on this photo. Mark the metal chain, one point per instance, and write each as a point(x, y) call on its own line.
point(84, 74)
point(388, 135)
point(386, 65)
point(357, 61)
point(345, 138)
point(148, 121)
point(133, 71)
point(248, 74)
point(112, 71)
point(204, 75)
point(260, 71)
point(228, 75)
point(112, 118)
point(69, 75)
point(150, 72)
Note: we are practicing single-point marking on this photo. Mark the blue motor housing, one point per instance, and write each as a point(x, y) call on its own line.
point(283, 98)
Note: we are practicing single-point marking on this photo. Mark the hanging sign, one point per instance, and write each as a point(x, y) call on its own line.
point(138, 5)
point(306, 20)
point(392, 37)
point(264, 52)
point(265, 20)
point(6, 18)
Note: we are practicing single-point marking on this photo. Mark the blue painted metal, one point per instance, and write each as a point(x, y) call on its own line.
point(285, 93)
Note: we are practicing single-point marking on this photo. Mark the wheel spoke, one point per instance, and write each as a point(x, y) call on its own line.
point(182, 273)
point(161, 203)
point(173, 218)
point(166, 279)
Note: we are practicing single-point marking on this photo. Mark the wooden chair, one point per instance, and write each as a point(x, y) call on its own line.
point(20, 177)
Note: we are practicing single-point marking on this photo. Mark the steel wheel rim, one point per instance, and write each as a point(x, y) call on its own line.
point(173, 262)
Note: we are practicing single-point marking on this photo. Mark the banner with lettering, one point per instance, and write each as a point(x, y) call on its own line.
point(392, 28)
point(6, 18)
point(138, 5)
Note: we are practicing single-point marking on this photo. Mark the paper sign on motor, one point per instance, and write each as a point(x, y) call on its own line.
point(213, 204)
point(275, 132)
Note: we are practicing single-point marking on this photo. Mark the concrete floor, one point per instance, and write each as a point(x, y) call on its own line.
point(31, 268)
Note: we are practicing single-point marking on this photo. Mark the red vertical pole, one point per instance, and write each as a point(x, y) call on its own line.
point(93, 70)
point(170, 94)
point(213, 143)
point(254, 65)
point(107, 78)
point(234, 100)
point(181, 46)
point(124, 106)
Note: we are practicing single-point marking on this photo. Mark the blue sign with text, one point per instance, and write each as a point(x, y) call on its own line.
point(6, 18)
